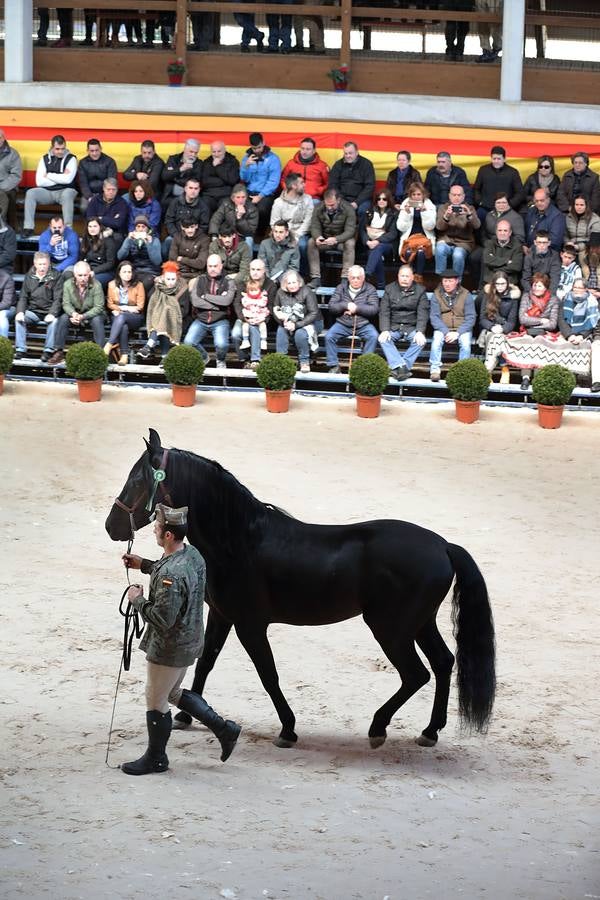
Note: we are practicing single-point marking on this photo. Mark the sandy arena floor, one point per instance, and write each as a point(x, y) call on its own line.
point(511, 815)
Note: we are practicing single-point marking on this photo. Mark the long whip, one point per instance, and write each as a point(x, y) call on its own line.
point(352, 341)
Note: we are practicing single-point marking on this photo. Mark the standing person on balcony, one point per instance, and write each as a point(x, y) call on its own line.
point(93, 170)
point(307, 163)
point(250, 32)
point(490, 35)
point(11, 172)
point(441, 177)
point(354, 177)
point(494, 178)
point(260, 170)
point(65, 24)
point(55, 179)
point(280, 30)
point(456, 32)
point(400, 179)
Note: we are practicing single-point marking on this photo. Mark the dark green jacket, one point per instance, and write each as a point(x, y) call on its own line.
point(93, 302)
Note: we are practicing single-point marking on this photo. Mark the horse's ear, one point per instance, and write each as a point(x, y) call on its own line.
point(154, 444)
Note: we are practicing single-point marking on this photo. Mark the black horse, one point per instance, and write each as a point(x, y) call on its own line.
point(264, 566)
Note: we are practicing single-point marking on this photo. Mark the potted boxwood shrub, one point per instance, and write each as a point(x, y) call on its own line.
point(369, 374)
point(86, 362)
point(7, 355)
point(468, 382)
point(184, 368)
point(551, 390)
point(276, 373)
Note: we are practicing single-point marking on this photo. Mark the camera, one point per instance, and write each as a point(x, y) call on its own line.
point(56, 231)
point(457, 209)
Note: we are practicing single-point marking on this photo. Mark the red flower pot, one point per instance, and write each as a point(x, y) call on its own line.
point(550, 416)
point(278, 401)
point(467, 411)
point(368, 407)
point(183, 394)
point(89, 391)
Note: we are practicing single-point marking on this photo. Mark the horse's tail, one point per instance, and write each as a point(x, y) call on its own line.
point(474, 633)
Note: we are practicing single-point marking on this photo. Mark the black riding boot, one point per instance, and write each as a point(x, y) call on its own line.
point(225, 730)
point(154, 759)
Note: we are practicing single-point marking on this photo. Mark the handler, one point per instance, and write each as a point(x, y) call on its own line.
point(173, 640)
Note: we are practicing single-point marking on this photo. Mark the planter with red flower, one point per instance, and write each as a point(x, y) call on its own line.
point(340, 77)
point(176, 71)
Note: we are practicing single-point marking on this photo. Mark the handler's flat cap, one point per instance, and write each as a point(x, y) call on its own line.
point(166, 515)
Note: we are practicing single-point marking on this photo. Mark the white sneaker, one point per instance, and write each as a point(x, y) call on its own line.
point(245, 344)
point(263, 345)
point(221, 364)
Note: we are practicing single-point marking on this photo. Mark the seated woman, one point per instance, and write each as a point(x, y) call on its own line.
point(297, 312)
point(578, 318)
point(498, 310)
point(98, 252)
point(167, 309)
point(125, 302)
point(416, 224)
point(543, 177)
point(580, 222)
point(400, 179)
point(379, 235)
point(141, 202)
point(534, 345)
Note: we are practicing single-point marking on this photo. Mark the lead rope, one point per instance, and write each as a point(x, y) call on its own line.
point(133, 621)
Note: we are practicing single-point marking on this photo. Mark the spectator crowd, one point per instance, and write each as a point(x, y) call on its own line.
point(225, 251)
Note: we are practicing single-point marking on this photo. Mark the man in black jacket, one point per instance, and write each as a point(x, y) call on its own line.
point(180, 167)
point(444, 175)
point(403, 316)
point(355, 304)
point(220, 174)
point(189, 206)
point(354, 177)
point(40, 303)
point(93, 170)
point(495, 178)
point(211, 298)
point(147, 166)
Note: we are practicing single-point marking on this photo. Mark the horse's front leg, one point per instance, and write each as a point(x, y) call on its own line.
point(217, 630)
point(253, 638)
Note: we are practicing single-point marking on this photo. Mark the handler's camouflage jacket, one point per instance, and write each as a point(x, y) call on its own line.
point(173, 611)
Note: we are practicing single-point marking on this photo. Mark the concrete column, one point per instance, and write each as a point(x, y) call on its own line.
point(513, 48)
point(18, 46)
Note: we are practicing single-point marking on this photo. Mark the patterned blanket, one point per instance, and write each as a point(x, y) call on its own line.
point(525, 352)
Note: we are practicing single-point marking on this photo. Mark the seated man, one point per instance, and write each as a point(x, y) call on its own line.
point(457, 224)
point(503, 210)
point(260, 170)
point(403, 316)
point(234, 254)
point(541, 258)
point(188, 205)
point(83, 306)
point(452, 315)
point(40, 302)
point(332, 227)
point(112, 210)
point(544, 216)
point(220, 174)
point(180, 167)
point(307, 163)
point(61, 243)
point(11, 172)
point(7, 302)
point(147, 166)
point(494, 178)
point(259, 276)
point(504, 251)
point(211, 298)
point(280, 251)
point(355, 304)
point(189, 249)
point(441, 177)
point(296, 208)
point(8, 246)
point(353, 177)
point(93, 171)
point(237, 212)
point(141, 248)
point(55, 179)
point(579, 181)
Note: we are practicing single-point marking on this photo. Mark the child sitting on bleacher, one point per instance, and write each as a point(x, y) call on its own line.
point(255, 307)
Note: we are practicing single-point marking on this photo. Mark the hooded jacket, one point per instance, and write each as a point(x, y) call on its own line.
point(261, 176)
point(315, 174)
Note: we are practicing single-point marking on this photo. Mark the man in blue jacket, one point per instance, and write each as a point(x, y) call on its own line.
point(260, 170)
point(544, 216)
point(61, 243)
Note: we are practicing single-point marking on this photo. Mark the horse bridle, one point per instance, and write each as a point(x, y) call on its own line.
point(158, 478)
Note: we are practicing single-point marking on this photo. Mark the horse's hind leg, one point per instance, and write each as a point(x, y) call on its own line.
point(253, 637)
point(441, 661)
point(402, 653)
point(217, 630)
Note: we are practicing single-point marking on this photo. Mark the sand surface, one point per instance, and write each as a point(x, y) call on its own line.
point(511, 815)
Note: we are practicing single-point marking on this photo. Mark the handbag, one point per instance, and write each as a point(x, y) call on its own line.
point(412, 244)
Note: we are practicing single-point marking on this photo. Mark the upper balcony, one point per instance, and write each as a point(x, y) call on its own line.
point(425, 49)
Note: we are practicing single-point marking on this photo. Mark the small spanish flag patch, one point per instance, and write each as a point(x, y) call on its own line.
point(167, 581)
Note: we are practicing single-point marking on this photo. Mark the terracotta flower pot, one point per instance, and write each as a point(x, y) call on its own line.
point(368, 407)
point(89, 391)
point(183, 394)
point(550, 416)
point(467, 411)
point(278, 401)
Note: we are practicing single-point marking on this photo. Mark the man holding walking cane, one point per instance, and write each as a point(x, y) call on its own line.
point(355, 305)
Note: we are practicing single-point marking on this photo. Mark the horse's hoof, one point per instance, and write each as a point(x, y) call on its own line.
point(283, 742)
point(377, 740)
point(424, 741)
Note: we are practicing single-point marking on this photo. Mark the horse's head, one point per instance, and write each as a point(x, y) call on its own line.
point(135, 504)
